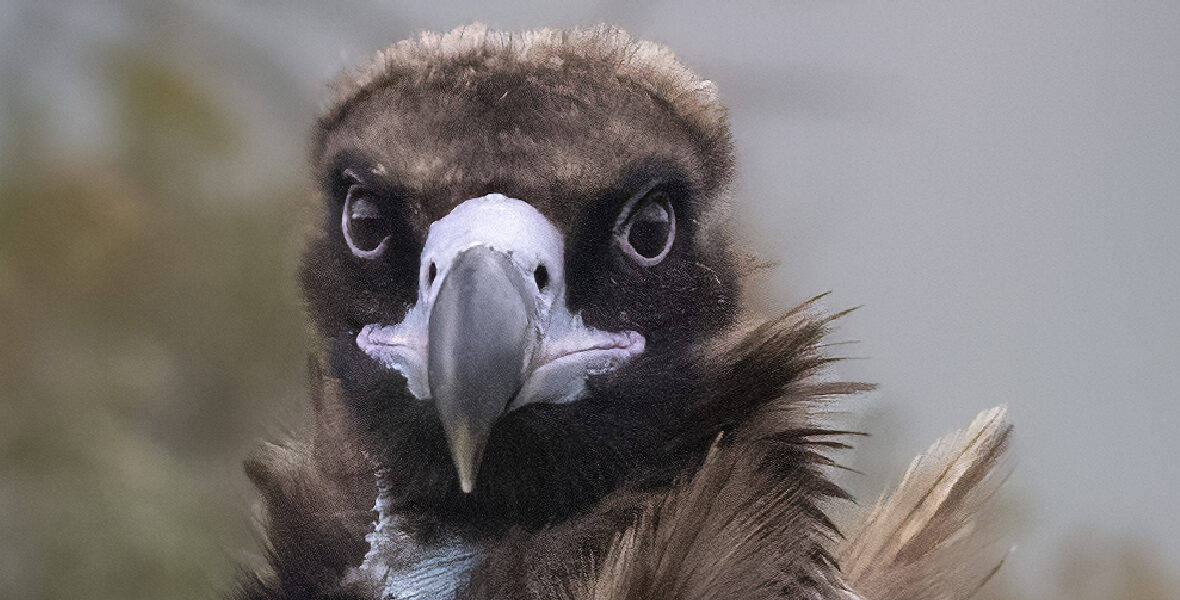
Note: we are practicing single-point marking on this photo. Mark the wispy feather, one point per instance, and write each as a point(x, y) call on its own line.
point(730, 532)
point(928, 540)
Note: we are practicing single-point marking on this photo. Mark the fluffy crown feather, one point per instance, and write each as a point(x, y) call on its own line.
point(642, 63)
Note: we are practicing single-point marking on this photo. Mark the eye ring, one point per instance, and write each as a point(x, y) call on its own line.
point(646, 227)
point(346, 219)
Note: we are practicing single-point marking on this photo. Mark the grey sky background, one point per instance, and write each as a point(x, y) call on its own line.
point(997, 183)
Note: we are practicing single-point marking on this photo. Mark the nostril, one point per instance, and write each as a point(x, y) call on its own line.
point(430, 274)
point(541, 276)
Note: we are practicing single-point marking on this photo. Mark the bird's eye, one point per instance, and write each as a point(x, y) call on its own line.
point(365, 224)
point(646, 228)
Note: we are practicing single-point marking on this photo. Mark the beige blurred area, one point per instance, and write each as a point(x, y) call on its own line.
point(998, 183)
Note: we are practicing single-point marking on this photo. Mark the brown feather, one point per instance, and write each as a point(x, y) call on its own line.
point(316, 503)
point(730, 532)
point(750, 523)
point(929, 539)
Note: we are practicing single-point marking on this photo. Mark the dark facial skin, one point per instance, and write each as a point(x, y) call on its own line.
point(421, 152)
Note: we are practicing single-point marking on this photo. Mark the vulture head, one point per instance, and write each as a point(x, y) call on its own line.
point(531, 354)
point(518, 259)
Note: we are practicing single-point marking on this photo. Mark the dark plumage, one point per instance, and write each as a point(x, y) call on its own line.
point(532, 358)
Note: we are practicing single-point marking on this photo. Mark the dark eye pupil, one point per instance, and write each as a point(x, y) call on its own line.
point(649, 231)
point(646, 229)
point(367, 224)
point(648, 237)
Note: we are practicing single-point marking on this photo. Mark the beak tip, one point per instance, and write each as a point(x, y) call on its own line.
point(466, 451)
point(467, 484)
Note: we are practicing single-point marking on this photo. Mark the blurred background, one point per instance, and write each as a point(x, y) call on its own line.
point(996, 182)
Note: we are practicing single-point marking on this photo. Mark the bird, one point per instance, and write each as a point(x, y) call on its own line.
point(533, 376)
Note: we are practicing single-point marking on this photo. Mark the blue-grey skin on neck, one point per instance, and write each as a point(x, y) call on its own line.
point(404, 567)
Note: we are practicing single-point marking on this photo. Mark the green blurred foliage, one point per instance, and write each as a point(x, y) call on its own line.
point(150, 326)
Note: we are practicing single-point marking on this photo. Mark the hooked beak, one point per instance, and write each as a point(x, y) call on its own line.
point(479, 337)
point(490, 331)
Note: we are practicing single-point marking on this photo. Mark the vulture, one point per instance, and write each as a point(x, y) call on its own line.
point(533, 376)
